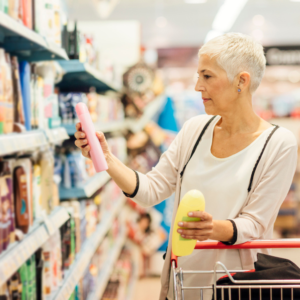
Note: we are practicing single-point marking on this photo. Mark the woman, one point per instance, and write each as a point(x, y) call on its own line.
point(242, 164)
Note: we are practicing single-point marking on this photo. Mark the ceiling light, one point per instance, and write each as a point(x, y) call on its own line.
point(227, 14)
point(258, 20)
point(161, 22)
point(195, 1)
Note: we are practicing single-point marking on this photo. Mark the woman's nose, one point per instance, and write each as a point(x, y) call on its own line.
point(199, 87)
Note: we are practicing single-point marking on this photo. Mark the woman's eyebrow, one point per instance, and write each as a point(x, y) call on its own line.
point(202, 71)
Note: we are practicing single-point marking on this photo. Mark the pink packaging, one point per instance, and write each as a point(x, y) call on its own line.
point(96, 152)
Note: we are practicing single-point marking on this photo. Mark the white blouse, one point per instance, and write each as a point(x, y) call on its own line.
point(224, 183)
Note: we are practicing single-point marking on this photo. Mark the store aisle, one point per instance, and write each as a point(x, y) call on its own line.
point(147, 289)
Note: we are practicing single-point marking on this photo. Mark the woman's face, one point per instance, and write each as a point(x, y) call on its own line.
point(218, 93)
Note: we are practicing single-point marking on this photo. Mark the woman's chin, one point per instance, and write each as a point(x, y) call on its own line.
point(210, 110)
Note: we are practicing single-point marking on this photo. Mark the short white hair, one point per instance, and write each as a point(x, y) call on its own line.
point(235, 53)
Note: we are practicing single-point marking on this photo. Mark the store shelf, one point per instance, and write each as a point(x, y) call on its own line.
point(107, 269)
point(80, 77)
point(150, 112)
point(16, 142)
point(132, 282)
point(110, 126)
point(86, 253)
point(14, 257)
point(57, 135)
point(87, 190)
point(25, 43)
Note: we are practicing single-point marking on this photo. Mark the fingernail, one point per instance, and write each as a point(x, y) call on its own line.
point(179, 230)
point(180, 224)
point(183, 235)
point(82, 134)
point(85, 141)
point(190, 214)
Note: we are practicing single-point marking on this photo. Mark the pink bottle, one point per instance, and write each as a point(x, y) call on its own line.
point(96, 152)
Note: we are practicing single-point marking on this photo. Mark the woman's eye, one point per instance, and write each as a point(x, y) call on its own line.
point(207, 76)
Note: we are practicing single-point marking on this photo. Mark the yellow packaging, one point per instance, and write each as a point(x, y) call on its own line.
point(192, 201)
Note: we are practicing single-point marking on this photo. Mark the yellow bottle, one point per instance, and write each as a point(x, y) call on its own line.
point(192, 201)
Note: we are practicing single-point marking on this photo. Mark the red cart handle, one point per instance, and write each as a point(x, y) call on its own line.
point(257, 244)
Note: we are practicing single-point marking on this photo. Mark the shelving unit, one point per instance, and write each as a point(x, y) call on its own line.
point(107, 269)
point(104, 127)
point(151, 110)
point(16, 142)
point(135, 125)
point(132, 282)
point(17, 254)
point(80, 77)
point(88, 249)
point(87, 190)
point(57, 135)
point(23, 42)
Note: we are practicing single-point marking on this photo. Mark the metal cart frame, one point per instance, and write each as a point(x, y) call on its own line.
point(178, 273)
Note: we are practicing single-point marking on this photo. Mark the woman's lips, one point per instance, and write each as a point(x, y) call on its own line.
point(205, 99)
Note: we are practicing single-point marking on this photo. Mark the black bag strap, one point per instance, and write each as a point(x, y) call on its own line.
point(260, 156)
point(197, 143)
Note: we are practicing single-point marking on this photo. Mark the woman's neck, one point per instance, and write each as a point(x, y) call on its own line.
point(240, 118)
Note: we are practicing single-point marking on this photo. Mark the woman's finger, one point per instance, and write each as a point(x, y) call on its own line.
point(197, 237)
point(197, 225)
point(81, 143)
point(78, 126)
point(204, 216)
point(79, 135)
point(194, 232)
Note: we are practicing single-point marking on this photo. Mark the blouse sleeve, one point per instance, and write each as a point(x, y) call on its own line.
point(262, 209)
point(160, 183)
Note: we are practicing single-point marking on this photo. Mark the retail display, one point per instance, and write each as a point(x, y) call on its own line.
point(117, 287)
point(192, 201)
point(79, 46)
point(103, 109)
point(42, 16)
point(51, 246)
point(96, 151)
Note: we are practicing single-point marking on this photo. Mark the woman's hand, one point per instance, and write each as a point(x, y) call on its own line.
point(199, 230)
point(82, 143)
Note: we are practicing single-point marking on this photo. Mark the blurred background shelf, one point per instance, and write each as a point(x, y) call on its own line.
point(16, 142)
point(83, 258)
point(57, 135)
point(17, 253)
point(23, 42)
point(91, 186)
point(107, 269)
point(80, 77)
point(151, 110)
point(104, 127)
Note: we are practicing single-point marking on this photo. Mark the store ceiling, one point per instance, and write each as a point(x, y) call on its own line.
point(188, 24)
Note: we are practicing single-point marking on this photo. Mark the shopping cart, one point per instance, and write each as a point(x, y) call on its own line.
point(225, 292)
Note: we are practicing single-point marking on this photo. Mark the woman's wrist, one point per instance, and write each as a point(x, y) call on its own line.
point(222, 231)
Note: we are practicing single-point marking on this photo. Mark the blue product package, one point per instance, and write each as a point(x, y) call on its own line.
point(24, 68)
point(65, 107)
point(72, 169)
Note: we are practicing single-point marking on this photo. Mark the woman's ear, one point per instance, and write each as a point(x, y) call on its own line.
point(244, 81)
